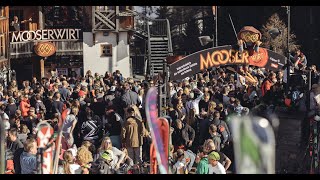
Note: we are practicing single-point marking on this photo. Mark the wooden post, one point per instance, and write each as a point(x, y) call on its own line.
point(40, 17)
point(42, 73)
point(117, 18)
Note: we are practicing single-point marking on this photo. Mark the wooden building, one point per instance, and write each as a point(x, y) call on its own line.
point(4, 36)
point(83, 38)
point(106, 46)
point(60, 25)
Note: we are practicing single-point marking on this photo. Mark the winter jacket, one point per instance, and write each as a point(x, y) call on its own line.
point(202, 167)
point(24, 107)
point(130, 98)
point(40, 106)
point(132, 132)
point(28, 163)
point(183, 136)
point(90, 128)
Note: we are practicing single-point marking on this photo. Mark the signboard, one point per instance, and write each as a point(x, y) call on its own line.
point(224, 55)
point(62, 71)
point(45, 34)
point(45, 49)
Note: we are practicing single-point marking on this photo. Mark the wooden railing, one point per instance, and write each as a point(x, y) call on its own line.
point(104, 19)
point(25, 49)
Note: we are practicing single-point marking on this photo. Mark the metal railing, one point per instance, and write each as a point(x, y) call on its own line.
point(138, 62)
point(2, 147)
point(170, 50)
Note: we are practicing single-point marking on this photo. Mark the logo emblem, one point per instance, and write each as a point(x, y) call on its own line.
point(45, 49)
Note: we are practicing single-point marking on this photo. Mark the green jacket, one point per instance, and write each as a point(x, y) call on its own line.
point(203, 167)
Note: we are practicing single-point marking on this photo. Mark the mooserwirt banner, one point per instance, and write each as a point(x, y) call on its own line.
point(222, 56)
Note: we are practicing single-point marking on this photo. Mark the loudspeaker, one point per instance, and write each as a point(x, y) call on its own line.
point(297, 80)
point(274, 32)
point(204, 40)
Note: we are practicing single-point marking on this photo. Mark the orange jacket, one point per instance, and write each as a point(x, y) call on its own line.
point(24, 107)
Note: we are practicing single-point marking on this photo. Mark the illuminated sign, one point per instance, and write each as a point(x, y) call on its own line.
point(45, 34)
point(221, 56)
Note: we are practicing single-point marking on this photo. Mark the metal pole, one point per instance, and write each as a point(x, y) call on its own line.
point(2, 147)
point(288, 43)
point(234, 29)
point(216, 27)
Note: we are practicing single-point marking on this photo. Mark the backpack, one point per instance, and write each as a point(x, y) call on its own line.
point(224, 134)
point(101, 167)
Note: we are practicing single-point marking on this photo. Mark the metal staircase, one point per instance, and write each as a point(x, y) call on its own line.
point(158, 36)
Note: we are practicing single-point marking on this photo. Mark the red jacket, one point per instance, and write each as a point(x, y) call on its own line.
point(266, 86)
point(24, 107)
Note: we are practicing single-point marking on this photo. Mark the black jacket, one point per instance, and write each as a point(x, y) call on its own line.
point(183, 136)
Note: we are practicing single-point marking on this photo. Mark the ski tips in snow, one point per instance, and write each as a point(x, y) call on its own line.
point(254, 145)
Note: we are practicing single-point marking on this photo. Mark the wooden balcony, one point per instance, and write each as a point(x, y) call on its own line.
point(25, 49)
point(104, 20)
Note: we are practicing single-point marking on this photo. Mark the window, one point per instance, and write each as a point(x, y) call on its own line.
point(106, 50)
point(2, 11)
point(2, 46)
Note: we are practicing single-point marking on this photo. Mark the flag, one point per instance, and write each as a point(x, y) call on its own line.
point(214, 10)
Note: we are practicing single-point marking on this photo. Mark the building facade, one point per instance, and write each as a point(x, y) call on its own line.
point(107, 47)
point(69, 40)
point(4, 36)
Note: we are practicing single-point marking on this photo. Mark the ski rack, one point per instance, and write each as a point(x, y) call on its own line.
point(163, 94)
point(2, 147)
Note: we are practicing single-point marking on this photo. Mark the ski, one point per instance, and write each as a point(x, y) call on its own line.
point(315, 146)
point(254, 145)
point(152, 115)
point(2, 147)
point(62, 118)
point(163, 126)
point(45, 151)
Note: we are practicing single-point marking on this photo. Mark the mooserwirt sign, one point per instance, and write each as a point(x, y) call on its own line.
point(45, 34)
point(224, 55)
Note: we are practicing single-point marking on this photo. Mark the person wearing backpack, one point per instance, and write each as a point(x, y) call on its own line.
point(103, 164)
point(223, 129)
point(215, 136)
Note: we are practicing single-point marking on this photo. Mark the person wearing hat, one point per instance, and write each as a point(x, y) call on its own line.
point(103, 164)
point(215, 167)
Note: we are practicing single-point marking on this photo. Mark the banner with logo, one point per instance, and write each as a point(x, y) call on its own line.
point(224, 55)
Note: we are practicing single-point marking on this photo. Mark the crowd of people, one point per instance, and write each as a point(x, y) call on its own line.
point(106, 131)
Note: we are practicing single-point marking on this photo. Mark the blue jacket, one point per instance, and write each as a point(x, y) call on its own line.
point(28, 163)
